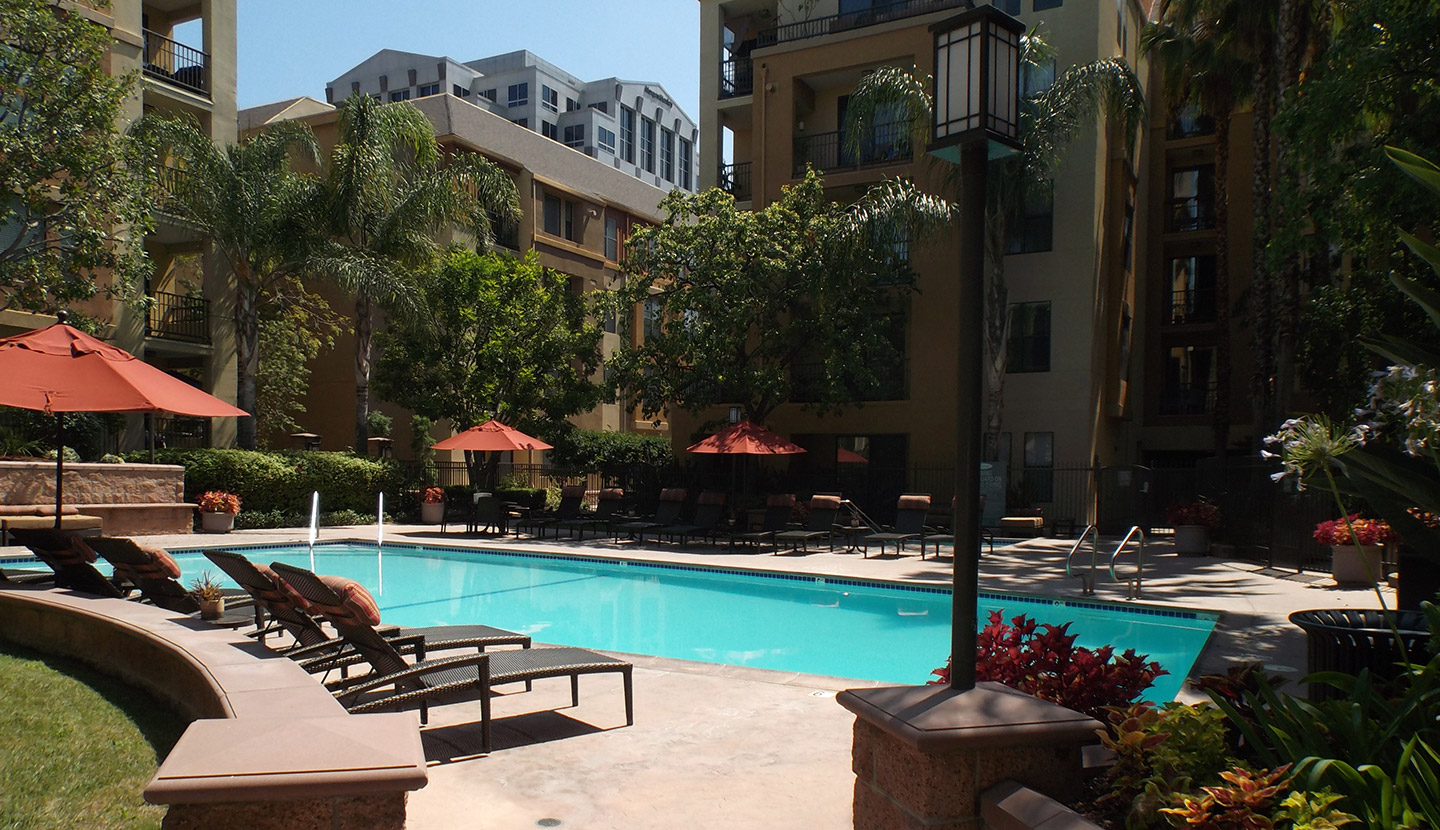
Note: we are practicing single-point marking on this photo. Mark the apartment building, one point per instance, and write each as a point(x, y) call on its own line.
point(775, 76)
point(183, 52)
point(577, 214)
point(633, 126)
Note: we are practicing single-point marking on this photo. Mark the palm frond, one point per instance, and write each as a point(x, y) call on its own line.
point(1053, 117)
point(888, 94)
point(897, 205)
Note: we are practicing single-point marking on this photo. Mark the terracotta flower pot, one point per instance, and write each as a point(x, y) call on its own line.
point(217, 522)
point(1356, 564)
point(431, 512)
point(213, 609)
point(1192, 540)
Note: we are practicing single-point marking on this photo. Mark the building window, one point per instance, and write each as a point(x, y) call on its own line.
point(1127, 237)
point(1190, 122)
point(459, 91)
point(549, 98)
point(488, 94)
point(559, 217)
point(575, 135)
point(667, 154)
point(605, 139)
point(428, 89)
point(612, 238)
point(524, 122)
point(647, 144)
point(627, 134)
point(549, 130)
point(1031, 225)
point(1011, 7)
point(1039, 470)
point(603, 106)
point(1189, 381)
point(400, 95)
point(571, 105)
point(686, 148)
point(1192, 198)
point(1044, 5)
point(519, 94)
point(651, 326)
point(1029, 347)
point(1192, 290)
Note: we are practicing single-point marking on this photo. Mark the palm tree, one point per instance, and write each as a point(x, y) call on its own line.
point(1050, 119)
point(388, 195)
point(254, 211)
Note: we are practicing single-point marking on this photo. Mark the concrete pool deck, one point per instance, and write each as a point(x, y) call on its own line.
point(719, 746)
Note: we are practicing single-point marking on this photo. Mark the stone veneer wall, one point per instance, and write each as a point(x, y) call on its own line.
point(130, 498)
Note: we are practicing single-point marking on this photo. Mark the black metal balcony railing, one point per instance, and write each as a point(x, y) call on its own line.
point(178, 317)
point(735, 180)
point(177, 64)
point(180, 432)
point(1190, 124)
point(737, 77)
point(1188, 399)
point(1191, 213)
point(1197, 306)
point(830, 24)
point(171, 180)
point(807, 384)
point(827, 151)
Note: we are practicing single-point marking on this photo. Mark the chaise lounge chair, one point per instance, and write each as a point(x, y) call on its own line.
point(911, 512)
point(571, 498)
point(156, 574)
point(607, 504)
point(70, 558)
point(396, 683)
point(821, 525)
point(709, 510)
point(667, 512)
point(779, 507)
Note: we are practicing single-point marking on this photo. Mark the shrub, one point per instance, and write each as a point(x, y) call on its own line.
point(612, 454)
point(283, 481)
point(269, 519)
point(1200, 513)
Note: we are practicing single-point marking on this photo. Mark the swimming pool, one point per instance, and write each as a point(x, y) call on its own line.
point(801, 623)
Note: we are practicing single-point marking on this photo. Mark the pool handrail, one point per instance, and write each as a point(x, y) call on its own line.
point(1087, 580)
point(1133, 582)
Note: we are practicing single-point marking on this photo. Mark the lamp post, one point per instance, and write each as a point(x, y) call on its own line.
point(976, 118)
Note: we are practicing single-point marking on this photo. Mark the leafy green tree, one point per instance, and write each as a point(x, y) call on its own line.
point(499, 337)
point(388, 196)
point(295, 326)
point(1050, 119)
point(738, 303)
point(74, 192)
point(258, 216)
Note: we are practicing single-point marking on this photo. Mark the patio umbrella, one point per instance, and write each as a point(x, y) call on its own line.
point(62, 369)
point(844, 456)
point(745, 438)
point(491, 436)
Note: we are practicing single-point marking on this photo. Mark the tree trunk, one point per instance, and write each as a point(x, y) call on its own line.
point(997, 334)
point(1222, 415)
point(247, 347)
point(364, 337)
point(1262, 305)
point(1290, 49)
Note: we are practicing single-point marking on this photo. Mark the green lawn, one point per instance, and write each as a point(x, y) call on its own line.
point(76, 747)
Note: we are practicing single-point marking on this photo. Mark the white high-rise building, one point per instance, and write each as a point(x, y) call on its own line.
point(635, 126)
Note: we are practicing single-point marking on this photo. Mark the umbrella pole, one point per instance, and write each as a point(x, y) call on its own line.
point(59, 464)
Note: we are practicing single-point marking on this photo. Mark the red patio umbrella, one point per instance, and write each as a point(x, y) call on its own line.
point(62, 369)
point(746, 438)
point(491, 436)
point(844, 456)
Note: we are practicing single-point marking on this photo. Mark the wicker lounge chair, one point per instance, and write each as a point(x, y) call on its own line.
point(571, 497)
point(67, 555)
point(779, 507)
point(667, 512)
point(910, 515)
point(824, 507)
point(395, 683)
point(940, 537)
point(156, 574)
point(607, 504)
point(709, 510)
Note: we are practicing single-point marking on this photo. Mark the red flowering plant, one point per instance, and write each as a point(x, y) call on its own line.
point(1353, 530)
point(1043, 660)
point(433, 495)
point(1201, 513)
point(218, 501)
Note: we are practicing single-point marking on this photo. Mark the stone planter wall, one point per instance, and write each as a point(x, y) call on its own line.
point(132, 499)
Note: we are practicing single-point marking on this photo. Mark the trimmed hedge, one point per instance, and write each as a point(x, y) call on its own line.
point(283, 481)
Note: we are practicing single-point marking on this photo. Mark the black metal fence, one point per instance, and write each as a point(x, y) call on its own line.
point(827, 151)
point(178, 317)
point(735, 180)
point(737, 77)
point(175, 63)
point(870, 16)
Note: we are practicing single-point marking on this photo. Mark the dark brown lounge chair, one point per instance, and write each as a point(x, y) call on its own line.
point(155, 573)
point(667, 512)
point(823, 510)
point(70, 558)
point(911, 512)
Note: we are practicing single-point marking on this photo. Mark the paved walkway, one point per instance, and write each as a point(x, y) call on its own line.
point(727, 747)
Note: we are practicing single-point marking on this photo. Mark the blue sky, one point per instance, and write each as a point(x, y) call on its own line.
point(289, 48)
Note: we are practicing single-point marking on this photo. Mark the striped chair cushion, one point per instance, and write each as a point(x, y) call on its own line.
point(780, 500)
point(711, 497)
point(672, 494)
point(279, 591)
point(159, 564)
point(573, 491)
point(824, 502)
point(914, 502)
point(357, 606)
point(75, 553)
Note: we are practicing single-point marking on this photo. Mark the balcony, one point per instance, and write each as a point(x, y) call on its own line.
point(178, 317)
point(737, 77)
point(1188, 399)
point(1189, 123)
point(827, 151)
point(176, 64)
point(735, 180)
point(180, 432)
point(831, 24)
point(1191, 213)
point(1194, 306)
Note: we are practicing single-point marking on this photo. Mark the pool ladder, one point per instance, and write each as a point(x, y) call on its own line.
point(1087, 578)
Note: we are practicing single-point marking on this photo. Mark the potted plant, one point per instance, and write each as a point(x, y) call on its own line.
point(1192, 523)
point(432, 505)
point(207, 592)
point(1356, 545)
point(217, 511)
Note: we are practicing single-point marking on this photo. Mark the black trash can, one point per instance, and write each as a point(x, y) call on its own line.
point(1348, 640)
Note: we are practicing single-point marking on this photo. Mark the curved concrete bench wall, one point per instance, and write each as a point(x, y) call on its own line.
point(267, 743)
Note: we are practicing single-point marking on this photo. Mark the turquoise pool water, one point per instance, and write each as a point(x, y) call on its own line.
point(789, 622)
